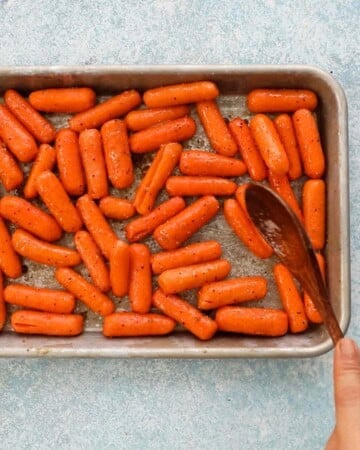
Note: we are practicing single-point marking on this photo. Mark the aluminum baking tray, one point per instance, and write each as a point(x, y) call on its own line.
point(234, 82)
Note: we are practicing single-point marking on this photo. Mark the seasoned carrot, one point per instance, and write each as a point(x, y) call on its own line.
point(93, 260)
point(178, 229)
point(253, 321)
point(120, 269)
point(180, 279)
point(11, 176)
point(308, 138)
point(151, 138)
point(311, 312)
point(191, 186)
point(86, 292)
point(16, 137)
point(58, 202)
point(163, 164)
point(63, 100)
point(39, 127)
point(140, 285)
point(269, 143)
point(202, 163)
point(290, 299)
point(280, 100)
point(27, 216)
point(285, 128)
point(9, 261)
point(281, 185)
point(187, 315)
point(314, 206)
point(69, 162)
point(42, 299)
point(110, 109)
point(117, 153)
point(2, 303)
point(28, 246)
point(143, 226)
point(144, 118)
point(124, 324)
point(97, 225)
point(200, 252)
point(116, 208)
point(51, 324)
point(229, 292)
point(45, 160)
point(247, 148)
point(215, 128)
point(92, 157)
point(180, 94)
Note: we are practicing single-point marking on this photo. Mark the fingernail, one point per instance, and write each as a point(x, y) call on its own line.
point(348, 348)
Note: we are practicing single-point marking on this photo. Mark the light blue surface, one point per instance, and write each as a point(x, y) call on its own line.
point(105, 404)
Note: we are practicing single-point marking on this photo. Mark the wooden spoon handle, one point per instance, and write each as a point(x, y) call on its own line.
point(331, 322)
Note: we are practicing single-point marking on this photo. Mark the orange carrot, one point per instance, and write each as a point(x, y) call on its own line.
point(42, 252)
point(178, 229)
point(42, 299)
point(45, 160)
point(281, 185)
point(311, 311)
point(116, 208)
point(11, 175)
point(120, 269)
point(93, 260)
point(140, 286)
point(314, 205)
point(9, 261)
point(110, 109)
point(2, 303)
point(253, 321)
point(202, 163)
point(280, 100)
point(63, 100)
point(117, 153)
point(124, 324)
point(144, 118)
point(191, 186)
point(189, 317)
point(143, 226)
point(92, 157)
point(39, 127)
point(290, 299)
point(151, 138)
point(181, 279)
point(180, 94)
point(285, 128)
point(308, 138)
point(86, 292)
point(249, 152)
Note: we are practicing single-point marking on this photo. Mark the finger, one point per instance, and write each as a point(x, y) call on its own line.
point(332, 443)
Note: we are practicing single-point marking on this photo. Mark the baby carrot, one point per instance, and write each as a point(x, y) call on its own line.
point(192, 186)
point(268, 141)
point(180, 94)
point(124, 324)
point(2, 303)
point(110, 109)
point(9, 261)
point(39, 127)
point(202, 163)
point(93, 260)
point(215, 128)
point(16, 137)
point(69, 162)
point(86, 292)
point(253, 321)
point(141, 227)
point(281, 185)
point(117, 153)
point(27, 216)
point(247, 148)
point(178, 229)
point(280, 100)
point(45, 160)
point(181, 279)
point(200, 252)
point(144, 118)
point(308, 138)
point(140, 285)
point(120, 269)
point(58, 202)
point(290, 299)
point(92, 157)
point(51, 324)
point(151, 138)
point(11, 175)
point(285, 128)
point(202, 326)
point(116, 208)
point(311, 312)
point(97, 225)
point(229, 292)
point(63, 100)
point(314, 212)
point(42, 299)
point(42, 252)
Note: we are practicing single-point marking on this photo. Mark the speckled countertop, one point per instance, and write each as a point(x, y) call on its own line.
point(162, 404)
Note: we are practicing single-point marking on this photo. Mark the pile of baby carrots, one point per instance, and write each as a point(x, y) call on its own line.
point(72, 169)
